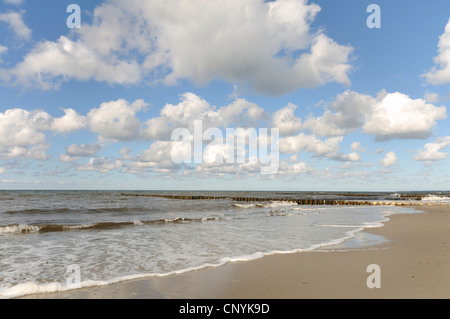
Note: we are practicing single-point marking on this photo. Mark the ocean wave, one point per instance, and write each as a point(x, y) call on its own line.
point(436, 198)
point(46, 228)
point(277, 204)
point(270, 204)
point(63, 210)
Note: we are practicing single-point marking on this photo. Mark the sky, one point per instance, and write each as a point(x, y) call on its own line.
point(353, 97)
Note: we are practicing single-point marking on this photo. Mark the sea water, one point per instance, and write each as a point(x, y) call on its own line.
point(108, 237)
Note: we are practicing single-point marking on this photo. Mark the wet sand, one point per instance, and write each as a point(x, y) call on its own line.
point(414, 263)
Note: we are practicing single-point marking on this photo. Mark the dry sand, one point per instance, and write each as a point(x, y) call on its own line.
point(414, 263)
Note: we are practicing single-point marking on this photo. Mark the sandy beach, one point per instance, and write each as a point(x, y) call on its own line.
point(414, 263)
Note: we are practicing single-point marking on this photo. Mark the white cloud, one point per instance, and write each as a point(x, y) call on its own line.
point(387, 116)
point(267, 46)
point(156, 158)
point(345, 114)
point(267, 36)
point(440, 74)
point(158, 155)
point(116, 120)
point(51, 63)
point(19, 127)
point(396, 115)
point(342, 157)
point(432, 97)
point(294, 169)
point(22, 132)
point(183, 114)
point(125, 152)
point(389, 160)
point(356, 146)
point(37, 152)
point(2, 170)
point(16, 23)
point(76, 151)
point(240, 112)
point(320, 148)
point(432, 151)
point(286, 121)
point(101, 164)
point(66, 158)
point(70, 122)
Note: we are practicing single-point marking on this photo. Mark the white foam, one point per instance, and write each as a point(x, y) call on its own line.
point(434, 198)
point(78, 226)
point(18, 229)
point(29, 288)
point(272, 204)
point(276, 204)
point(244, 205)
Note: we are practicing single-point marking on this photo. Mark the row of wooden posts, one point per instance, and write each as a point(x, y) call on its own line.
point(298, 201)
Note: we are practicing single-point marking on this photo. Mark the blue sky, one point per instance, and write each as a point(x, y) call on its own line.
point(357, 108)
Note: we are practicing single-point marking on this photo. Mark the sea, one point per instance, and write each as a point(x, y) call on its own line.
point(59, 240)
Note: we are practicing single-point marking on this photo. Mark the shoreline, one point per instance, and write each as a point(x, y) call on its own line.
point(414, 263)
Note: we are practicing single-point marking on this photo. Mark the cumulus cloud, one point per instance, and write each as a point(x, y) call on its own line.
point(16, 24)
point(20, 127)
point(22, 132)
point(50, 63)
point(158, 155)
point(432, 151)
point(440, 74)
point(345, 114)
point(191, 107)
point(267, 46)
point(101, 164)
point(396, 115)
point(286, 121)
point(294, 169)
point(116, 120)
point(76, 151)
point(37, 152)
point(389, 160)
point(320, 148)
point(70, 122)
point(386, 116)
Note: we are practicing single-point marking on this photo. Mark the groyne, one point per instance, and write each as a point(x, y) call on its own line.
point(413, 200)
